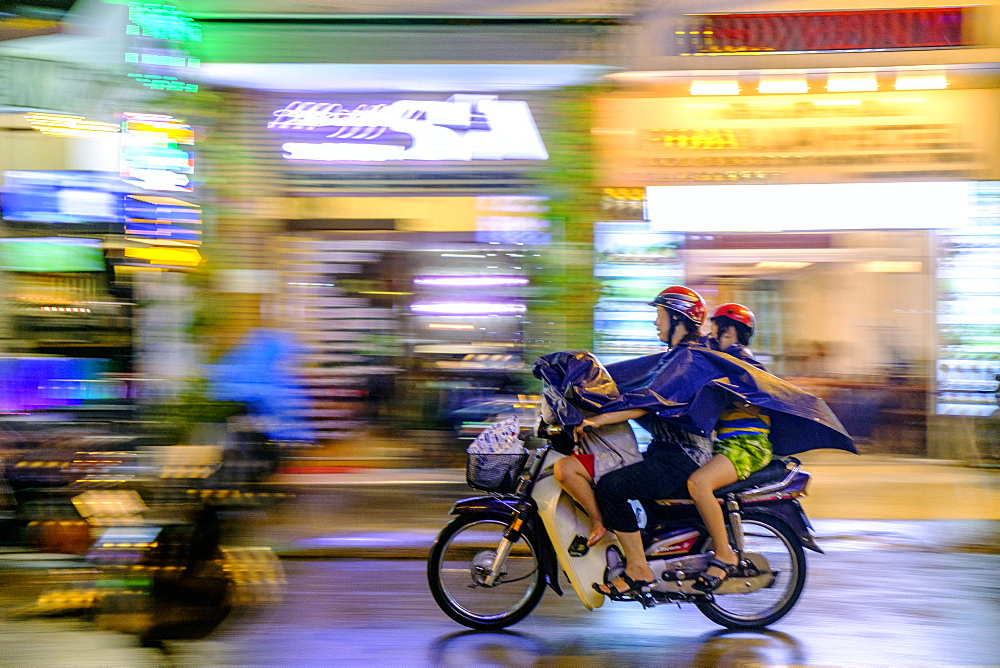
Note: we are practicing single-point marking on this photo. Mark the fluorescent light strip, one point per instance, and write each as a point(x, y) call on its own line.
point(715, 88)
point(441, 325)
point(469, 308)
point(852, 85)
point(779, 86)
point(921, 83)
point(469, 281)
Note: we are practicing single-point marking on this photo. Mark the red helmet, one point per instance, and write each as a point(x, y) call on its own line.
point(684, 301)
point(737, 312)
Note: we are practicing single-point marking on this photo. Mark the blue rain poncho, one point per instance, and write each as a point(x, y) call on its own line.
point(690, 385)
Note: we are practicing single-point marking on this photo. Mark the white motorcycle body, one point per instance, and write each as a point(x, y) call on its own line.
point(564, 521)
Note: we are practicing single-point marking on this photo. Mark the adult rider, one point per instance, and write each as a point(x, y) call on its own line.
point(679, 396)
point(673, 453)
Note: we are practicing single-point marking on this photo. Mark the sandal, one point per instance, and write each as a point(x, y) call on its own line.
point(633, 593)
point(709, 583)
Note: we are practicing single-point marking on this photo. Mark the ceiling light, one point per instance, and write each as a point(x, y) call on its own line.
point(780, 266)
point(469, 308)
point(469, 281)
point(921, 82)
point(852, 84)
point(786, 86)
point(715, 88)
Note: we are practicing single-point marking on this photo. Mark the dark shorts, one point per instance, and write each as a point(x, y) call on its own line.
point(662, 474)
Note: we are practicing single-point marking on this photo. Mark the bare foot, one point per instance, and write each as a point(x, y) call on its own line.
point(597, 532)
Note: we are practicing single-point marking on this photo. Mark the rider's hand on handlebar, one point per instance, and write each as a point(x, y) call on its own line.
point(585, 426)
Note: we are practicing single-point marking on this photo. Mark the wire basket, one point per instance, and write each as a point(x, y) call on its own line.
point(495, 472)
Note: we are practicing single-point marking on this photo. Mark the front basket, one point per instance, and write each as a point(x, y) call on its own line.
point(495, 472)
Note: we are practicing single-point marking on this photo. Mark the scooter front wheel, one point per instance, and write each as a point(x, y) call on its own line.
point(458, 569)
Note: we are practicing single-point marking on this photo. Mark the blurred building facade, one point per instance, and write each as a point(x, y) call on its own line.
point(425, 196)
point(836, 169)
point(384, 184)
point(86, 231)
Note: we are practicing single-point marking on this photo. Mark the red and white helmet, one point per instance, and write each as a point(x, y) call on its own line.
point(684, 301)
point(736, 312)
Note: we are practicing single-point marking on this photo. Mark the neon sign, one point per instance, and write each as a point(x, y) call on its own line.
point(462, 128)
point(154, 153)
point(162, 22)
point(924, 28)
point(156, 37)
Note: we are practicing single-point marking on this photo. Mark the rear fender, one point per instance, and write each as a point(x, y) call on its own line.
point(791, 513)
point(505, 506)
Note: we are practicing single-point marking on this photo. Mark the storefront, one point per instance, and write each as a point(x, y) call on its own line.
point(99, 210)
point(407, 227)
point(828, 169)
point(394, 217)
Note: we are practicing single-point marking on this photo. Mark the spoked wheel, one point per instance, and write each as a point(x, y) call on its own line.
point(778, 544)
point(456, 570)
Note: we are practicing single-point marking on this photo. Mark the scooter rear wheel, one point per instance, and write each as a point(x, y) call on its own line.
point(773, 539)
point(463, 549)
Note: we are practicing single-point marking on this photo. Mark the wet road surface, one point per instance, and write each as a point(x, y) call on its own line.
point(879, 596)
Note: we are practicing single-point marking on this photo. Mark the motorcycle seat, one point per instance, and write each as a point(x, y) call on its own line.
point(775, 471)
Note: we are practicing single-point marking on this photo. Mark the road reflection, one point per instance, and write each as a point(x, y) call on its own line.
point(718, 648)
point(488, 648)
point(749, 648)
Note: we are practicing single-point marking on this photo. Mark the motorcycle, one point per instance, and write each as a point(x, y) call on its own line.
point(142, 530)
point(489, 566)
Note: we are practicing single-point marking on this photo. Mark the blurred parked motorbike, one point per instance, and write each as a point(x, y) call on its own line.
point(142, 523)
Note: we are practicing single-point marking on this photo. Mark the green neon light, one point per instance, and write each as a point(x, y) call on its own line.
point(160, 59)
point(158, 82)
point(162, 22)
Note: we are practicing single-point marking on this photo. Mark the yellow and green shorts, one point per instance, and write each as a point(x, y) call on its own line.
point(747, 452)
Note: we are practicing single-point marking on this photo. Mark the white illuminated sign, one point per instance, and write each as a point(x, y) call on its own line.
point(463, 127)
point(821, 206)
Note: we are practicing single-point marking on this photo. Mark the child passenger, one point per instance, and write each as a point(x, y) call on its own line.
point(742, 447)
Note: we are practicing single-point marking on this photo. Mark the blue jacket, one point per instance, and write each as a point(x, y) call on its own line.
point(690, 385)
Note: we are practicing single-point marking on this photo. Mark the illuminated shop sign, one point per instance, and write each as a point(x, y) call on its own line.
point(827, 138)
point(158, 157)
point(157, 36)
point(884, 29)
point(461, 128)
point(157, 152)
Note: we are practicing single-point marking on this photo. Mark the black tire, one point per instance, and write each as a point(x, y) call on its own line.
point(470, 539)
point(779, 544)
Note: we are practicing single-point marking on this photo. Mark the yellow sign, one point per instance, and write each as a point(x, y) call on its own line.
point(170, 257)
point(824, 138)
